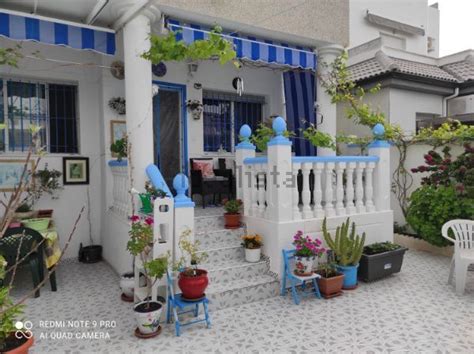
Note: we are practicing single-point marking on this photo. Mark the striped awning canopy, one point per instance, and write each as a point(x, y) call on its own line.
point(251, 48)
point(21, 27)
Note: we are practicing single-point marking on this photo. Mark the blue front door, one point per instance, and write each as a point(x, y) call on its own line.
point(169, 130)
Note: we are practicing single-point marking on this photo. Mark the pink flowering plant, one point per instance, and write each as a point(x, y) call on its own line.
point(306, 246)
point(140, 245)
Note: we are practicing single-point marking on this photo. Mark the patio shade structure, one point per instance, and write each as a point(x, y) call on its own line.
point(16, 26)
point(251, 48)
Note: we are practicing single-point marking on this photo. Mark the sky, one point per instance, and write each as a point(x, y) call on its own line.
point(456, 25)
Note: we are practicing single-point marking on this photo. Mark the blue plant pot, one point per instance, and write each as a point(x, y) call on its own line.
point(350, 276)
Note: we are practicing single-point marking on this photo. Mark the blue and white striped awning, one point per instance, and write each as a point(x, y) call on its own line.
point(16, 26)
point(251, 48)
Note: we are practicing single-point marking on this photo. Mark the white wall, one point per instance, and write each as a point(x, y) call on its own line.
point(412, 12)
point(88, 79)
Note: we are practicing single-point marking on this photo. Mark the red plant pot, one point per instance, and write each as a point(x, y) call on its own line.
point(193, 287)
point(232, 221)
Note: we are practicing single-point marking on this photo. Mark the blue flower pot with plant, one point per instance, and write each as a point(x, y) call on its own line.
point(347, 248)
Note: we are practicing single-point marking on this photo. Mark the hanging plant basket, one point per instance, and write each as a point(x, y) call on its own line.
point(117, 104)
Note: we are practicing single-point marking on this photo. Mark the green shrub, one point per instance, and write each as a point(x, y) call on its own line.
point(431, 206)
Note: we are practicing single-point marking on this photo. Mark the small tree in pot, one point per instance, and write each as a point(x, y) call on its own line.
point(232, 215)
point(347, 249)
point(148, 310)
point(192, 280)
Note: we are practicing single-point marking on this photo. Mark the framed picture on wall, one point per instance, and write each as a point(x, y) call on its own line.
point(11, 172)
point(75, 170)
point(118, 130)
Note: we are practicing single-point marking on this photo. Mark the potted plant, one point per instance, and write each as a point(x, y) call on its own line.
point(127, 285)
point(195, 107)
point(147, 311)
point(119, 148)
point(192, 280)
point(253, 245)
point(380, 260)
point(330, 283)
point(307, 250)
point(9, 314)
point(347, 249)
point(232, 213)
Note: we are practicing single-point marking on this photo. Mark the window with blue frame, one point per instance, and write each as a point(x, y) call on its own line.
point(49, 106)
point(224, 114)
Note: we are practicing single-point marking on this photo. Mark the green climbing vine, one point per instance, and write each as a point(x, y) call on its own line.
point(10, 56)
point(167, 48)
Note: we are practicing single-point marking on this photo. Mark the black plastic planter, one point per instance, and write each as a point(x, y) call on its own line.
point(380, 265)
point(90, 254)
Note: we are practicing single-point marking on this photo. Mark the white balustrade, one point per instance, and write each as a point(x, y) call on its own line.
point(318, 192)
point(261, 189)
point(254, 193)
point(120, 188)
point(328, 190)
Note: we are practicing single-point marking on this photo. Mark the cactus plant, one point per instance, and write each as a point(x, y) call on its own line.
point(347, 247)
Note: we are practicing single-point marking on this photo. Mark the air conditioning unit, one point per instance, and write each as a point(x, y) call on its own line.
point(461, 105)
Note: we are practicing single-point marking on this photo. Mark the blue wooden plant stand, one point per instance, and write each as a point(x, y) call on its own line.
point(288, 258)
point(177, 305)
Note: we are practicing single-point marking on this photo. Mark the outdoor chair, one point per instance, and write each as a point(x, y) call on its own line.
point(463, 256)
point(19, 242)
point(177, 306)
point(221, 184)
point(295, 280)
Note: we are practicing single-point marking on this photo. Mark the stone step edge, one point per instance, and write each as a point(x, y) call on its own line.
point(213, 231)
point(220, 248)
point(243, 264)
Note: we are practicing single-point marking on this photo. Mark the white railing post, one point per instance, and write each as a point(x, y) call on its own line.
point(183, 211)
point(350, 188)
point(328, 190)
point(305, 190)
point(120, 188)
point(243, 181)
point(280, 174)
point(296, 208)
point(318, 192)
point(340, 210)
point(359, 190)
point(261, 169)
point(382, 180)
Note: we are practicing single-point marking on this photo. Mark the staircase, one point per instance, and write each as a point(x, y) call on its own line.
point(232, 280)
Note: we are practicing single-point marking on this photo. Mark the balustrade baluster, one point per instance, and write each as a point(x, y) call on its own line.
point(350, 188)
point(318, 192)
point(305, 191)
point(340, 188)
point(261, 190)
point(254, 193)
point(328, 194)
point(369, 188)
point(359, 188)
point(296, 208)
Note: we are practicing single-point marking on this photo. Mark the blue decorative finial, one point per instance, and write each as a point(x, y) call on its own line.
point(279, 126)
point(245, 132)
point(378, 130)
point(181, 185)
point(245, 143)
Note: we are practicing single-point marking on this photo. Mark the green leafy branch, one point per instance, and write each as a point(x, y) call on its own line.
point(167, 48)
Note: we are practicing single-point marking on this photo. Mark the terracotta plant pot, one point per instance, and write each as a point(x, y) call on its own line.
point(330, 287)
point(193, 287)
point(23, 348)
point(232, 221)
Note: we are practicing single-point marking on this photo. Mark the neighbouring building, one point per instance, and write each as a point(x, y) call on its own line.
point(396, 44)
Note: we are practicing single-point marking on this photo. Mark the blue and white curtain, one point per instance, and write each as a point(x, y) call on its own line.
point(300, 95)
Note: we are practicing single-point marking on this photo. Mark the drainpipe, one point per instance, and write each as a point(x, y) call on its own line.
point(445, 101)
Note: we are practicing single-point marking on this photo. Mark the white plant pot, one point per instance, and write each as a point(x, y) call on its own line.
point(148, 322)
point(127, 284)
point(252, 255)
point(304, 265)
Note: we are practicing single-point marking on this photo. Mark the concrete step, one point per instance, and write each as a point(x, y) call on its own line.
point(223, 254)
point(208, 223)
point(242, 291)
point(210, 239)
point(235, 270)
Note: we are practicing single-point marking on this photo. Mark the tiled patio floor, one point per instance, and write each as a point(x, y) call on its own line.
point(414, 311)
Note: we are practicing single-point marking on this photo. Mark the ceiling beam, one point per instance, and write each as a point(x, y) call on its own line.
point(96, 10)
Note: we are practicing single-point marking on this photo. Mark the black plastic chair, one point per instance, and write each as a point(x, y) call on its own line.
point(27, 239)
